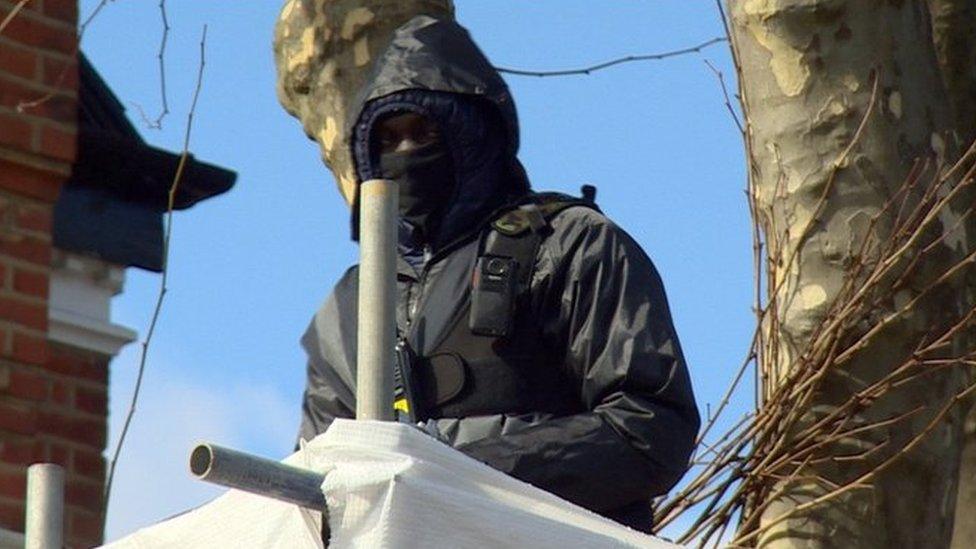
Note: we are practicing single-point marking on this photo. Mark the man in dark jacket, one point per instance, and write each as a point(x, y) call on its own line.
point(537, 333)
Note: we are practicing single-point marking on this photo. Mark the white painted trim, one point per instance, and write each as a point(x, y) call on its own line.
point(79, 306)
point(87, 333)
point(11, 540)
point(95, 272)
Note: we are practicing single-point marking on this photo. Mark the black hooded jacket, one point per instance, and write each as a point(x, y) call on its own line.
point(594, 314)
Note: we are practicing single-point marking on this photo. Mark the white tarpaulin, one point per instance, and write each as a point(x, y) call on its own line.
point(389, 485)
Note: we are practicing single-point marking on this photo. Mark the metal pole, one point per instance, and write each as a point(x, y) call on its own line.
point(377, 300)
point(258, 475)
point(45, 507)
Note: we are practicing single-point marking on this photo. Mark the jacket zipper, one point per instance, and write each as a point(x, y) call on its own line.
point(431, 257)
point(414, 296)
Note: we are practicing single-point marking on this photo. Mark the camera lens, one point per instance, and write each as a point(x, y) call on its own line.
point(497, 266)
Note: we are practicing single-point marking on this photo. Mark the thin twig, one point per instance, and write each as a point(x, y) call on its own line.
point(13, 13)
point(174, 187)
point(863, 479)
point(33, 103)
point(745, 125)
point(614, 62)
point(864, 340)
point(739, 476)
point(725, 93)
point(701, 447)
point(157, 124)
point(731, 389)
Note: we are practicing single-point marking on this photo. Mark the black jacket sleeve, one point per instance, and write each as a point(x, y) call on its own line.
point(603, 306)
point(329, 343)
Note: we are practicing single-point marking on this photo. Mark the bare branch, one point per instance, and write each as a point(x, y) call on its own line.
point(614, 62)
point(174, 187)
point(157, 124)
point(860, 481)
point(725, 93)
point(34, 103)
point(739, 476)
point(13, 13)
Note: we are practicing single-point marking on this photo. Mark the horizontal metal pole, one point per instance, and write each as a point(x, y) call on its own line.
point(259, 475)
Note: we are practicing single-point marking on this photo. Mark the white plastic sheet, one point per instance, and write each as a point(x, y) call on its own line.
point(390, 486)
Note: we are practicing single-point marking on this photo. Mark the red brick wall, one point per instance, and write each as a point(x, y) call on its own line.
point(53, 409)
point(52, 398)
point(38, 60)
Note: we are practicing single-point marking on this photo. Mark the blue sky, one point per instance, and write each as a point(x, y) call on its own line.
point(248, 269)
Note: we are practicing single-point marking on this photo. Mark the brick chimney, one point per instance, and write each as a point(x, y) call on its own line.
point(82, 198)
point(52, 398)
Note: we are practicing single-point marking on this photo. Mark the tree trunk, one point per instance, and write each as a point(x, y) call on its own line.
point(964, 534)
point(842, 99)
point(954, 33)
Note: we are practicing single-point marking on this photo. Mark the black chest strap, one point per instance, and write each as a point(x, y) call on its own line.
point(491, 363)
point(507, 259)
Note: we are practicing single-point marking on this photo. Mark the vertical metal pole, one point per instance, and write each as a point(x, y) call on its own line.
point(377, 300)
point(45, 507)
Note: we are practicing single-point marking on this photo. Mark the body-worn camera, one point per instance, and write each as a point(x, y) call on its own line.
point(493, 294)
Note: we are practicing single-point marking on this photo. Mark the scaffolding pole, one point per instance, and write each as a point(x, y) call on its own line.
point(258, 475)
point(44, 524)
point(375, 357)
point(376, 336)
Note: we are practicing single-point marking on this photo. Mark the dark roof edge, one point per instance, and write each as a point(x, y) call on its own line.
point(98, 106)
point(113, 156)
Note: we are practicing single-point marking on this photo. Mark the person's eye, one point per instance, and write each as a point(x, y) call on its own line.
point(387, 143)
point(431, 135)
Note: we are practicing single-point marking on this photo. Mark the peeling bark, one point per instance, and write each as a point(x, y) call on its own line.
point(954, 35)
point(964, 535)
point(808, 71)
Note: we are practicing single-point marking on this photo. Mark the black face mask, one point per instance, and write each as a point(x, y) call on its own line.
point(426, 181)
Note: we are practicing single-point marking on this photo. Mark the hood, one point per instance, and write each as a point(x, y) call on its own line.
point(324, 52)
point(433, 68)
point(435, 54)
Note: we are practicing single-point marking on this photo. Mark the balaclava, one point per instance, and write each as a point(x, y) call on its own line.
point(426, 183)
point(449, 187)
